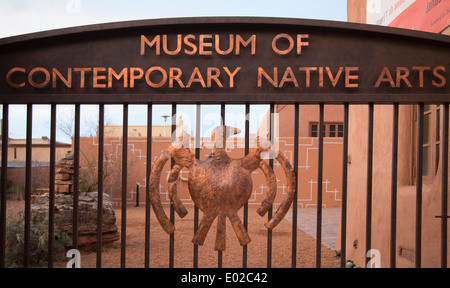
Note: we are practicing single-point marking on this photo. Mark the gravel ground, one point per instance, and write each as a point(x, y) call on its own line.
point(232, 257)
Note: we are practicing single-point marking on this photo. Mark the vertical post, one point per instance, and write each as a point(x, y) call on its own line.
point(319, 188)
point(369, 181)
point(28, 171)
point(294, 202)
point(51, 199)
point(101, 125)
point(394, 185)
point(123, 225)
point(76, 177)
point(222, 115)
point(444, 191)
point(197, 155)
point(269, 213)
point(344, 187)
point(147, 181)
point(172, 211)
point(137, 195)
point(418, 240)
point(247, 149)
point(5, 140)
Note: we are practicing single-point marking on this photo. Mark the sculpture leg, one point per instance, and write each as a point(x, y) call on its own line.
point(205, 224)
point(239, 228)
point(221, 233)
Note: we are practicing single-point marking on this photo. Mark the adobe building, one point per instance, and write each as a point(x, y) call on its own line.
point(417, 15)
point(308, 148)
point(40, 161)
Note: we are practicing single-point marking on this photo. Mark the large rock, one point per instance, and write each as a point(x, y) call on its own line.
point(87, 217)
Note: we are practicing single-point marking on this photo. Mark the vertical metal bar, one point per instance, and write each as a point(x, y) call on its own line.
point(269, 213)
point(369, 181)
point(198, 113)
point(28, 171)
point(147, 181)
point(294, 202)
point(444, 196)
point(123, 232)
point(247, 150)
point(5, 140)
point(394, 185)
point(344, 187)
point(101, 125)
point(222, 115)
point(137, 195)
point(51, 199)
point(172, 210)
point(319, 189)
point(418, 240)
point(76, 177)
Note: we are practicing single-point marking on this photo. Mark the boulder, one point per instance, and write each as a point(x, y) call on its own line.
point(87, 217)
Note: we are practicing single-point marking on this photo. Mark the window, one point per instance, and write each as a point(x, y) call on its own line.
point(431, 141)
point(329, 130)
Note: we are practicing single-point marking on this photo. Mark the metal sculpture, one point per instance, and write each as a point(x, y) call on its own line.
point(219, 186)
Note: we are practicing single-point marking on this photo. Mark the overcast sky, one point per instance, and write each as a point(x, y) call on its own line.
point(27, 16)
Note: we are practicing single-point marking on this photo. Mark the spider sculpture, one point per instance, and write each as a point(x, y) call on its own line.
point(219, 186)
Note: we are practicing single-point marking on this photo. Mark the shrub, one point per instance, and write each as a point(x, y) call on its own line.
point(38, 244)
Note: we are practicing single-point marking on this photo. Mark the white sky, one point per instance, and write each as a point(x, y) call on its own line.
point(25, 16)
point(28, 16)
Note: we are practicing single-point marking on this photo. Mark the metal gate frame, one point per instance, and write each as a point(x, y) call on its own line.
point(344, 99)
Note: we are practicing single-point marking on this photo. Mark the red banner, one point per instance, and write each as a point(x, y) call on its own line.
point(425, 15)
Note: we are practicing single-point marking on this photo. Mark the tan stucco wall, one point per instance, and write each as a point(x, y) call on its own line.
point(381, 201)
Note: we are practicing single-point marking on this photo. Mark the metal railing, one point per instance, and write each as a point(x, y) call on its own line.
point(345, 204)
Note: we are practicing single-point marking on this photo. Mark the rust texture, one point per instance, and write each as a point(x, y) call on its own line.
point(219, 186)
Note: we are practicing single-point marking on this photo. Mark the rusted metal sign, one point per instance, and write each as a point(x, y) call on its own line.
point(213, 60)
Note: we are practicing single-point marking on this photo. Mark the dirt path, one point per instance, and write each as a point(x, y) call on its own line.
point(232, 257)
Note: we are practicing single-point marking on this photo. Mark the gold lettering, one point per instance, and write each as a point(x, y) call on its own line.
point(175, 76)
point(213, 76)
point(97, 77)
point(196, 76)
point(39, 85)
point(190, 44)
point(82, 74)
point(273, 81)
point(349, 77)
point(402, 74)
point(67, 81)
point(231, 75)
point(230, 48)
point(334, 80)
point(308, 74)
point(134, 76)
point(202, 44)
point(123, 73)
point(385, 76)
point(166, 49)
point(250, 41)
point(163, 80)
point(421, 69)
point(320, 76)
point(440, 76)
point(282, 52)
point(288, 77)
point(300, 43)
point(8, 77)
point(145, 41)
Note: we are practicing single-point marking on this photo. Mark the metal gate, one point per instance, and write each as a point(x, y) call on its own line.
point(359, 42)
